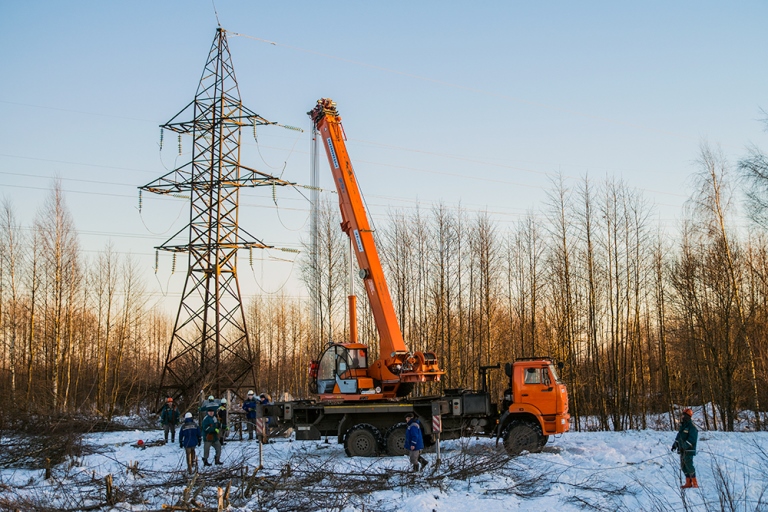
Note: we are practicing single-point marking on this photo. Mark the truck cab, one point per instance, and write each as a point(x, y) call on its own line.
point(535, 405)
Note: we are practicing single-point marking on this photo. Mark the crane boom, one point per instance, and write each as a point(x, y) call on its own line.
point(355, 224)
point(396, 365)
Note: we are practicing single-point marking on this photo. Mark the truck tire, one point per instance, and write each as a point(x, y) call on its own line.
point(522, 436)
point(396, 439)
point(362, 441)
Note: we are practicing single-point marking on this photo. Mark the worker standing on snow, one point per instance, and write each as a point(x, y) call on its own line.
point(414, 442)
point(221, 413)
point(211, 430)
point(169, 418)
point(189, 438)
point(266, 399)
point(249, 406)
point(685, 445)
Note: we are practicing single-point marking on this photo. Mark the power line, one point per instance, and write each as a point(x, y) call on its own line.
point(473, 89)
point(76, 111)
point(100, 166)
point(414, 203)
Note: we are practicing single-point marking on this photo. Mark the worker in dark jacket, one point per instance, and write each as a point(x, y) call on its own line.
point(189, 438)
point(169, 418)
point(414, 442)
point(221, 413)
point(211, 430)
point(685, 445)
point(249, 406)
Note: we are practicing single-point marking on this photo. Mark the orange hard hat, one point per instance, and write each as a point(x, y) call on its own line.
point(689, 412)
point(170, 399)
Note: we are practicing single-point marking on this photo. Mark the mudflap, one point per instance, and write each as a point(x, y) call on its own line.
point(500, 426)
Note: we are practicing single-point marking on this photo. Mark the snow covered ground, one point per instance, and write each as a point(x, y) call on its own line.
point(632, 470)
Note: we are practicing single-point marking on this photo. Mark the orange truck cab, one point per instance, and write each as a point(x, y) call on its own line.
point(534, 407)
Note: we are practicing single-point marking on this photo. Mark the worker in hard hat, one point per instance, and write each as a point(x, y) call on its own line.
point(211, 430)
point(414, 442)
point(169, 418)
point(685, 445)
point(249, 406)
point(221, 413)
point(190, 438)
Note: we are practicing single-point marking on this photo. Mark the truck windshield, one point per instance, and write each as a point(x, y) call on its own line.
point(554, 373)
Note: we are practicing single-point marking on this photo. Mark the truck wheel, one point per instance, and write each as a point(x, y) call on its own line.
point(361, 441)
point(396, 439)
point(523, 436)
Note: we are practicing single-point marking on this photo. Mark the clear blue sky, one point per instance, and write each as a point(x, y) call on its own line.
point(471, 102)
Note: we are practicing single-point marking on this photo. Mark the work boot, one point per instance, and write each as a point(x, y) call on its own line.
point(415, 468)
point(206, 463)
point(217, 461)
point(694, 483)
point(424, 463)
point(687, 484)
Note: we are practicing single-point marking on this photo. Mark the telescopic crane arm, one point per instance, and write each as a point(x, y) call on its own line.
point(396, 364)
point(354, 222)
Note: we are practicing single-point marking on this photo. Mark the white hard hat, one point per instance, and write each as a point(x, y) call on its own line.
point(250, 392)
point(188, 415)
point(223, 400)
point(210, 398)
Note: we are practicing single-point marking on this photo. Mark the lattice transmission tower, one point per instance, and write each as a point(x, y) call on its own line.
point(210, 349)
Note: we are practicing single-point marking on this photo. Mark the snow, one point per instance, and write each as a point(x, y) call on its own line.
point(631, 470)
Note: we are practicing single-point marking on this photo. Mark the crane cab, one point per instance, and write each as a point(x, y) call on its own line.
point(341, 373)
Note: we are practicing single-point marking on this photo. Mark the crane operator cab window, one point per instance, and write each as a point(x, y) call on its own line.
point(335, 362)
point(357, 358)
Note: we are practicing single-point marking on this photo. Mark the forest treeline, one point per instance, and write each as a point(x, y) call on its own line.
point(643, 318)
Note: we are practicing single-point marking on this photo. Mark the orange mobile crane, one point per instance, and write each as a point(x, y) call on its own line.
point(342, 371)
point(351, 401)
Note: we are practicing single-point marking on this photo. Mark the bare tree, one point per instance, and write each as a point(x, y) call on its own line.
point(711, 204)
point(59, 251)
point(12, 244)
point(754, 171)
point(561, 281)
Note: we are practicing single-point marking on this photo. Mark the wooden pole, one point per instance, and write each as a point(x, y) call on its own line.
point(108, 483)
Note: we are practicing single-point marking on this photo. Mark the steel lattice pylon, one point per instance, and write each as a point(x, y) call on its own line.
point(209, 348)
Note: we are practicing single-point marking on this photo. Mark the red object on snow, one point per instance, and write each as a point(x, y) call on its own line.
point(140, 442)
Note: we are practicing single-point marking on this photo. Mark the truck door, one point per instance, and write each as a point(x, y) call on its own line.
point(539, 389)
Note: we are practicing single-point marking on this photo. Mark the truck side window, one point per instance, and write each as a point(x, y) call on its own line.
point(532, 376)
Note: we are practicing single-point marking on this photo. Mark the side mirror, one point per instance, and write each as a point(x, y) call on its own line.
point(508, 369)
